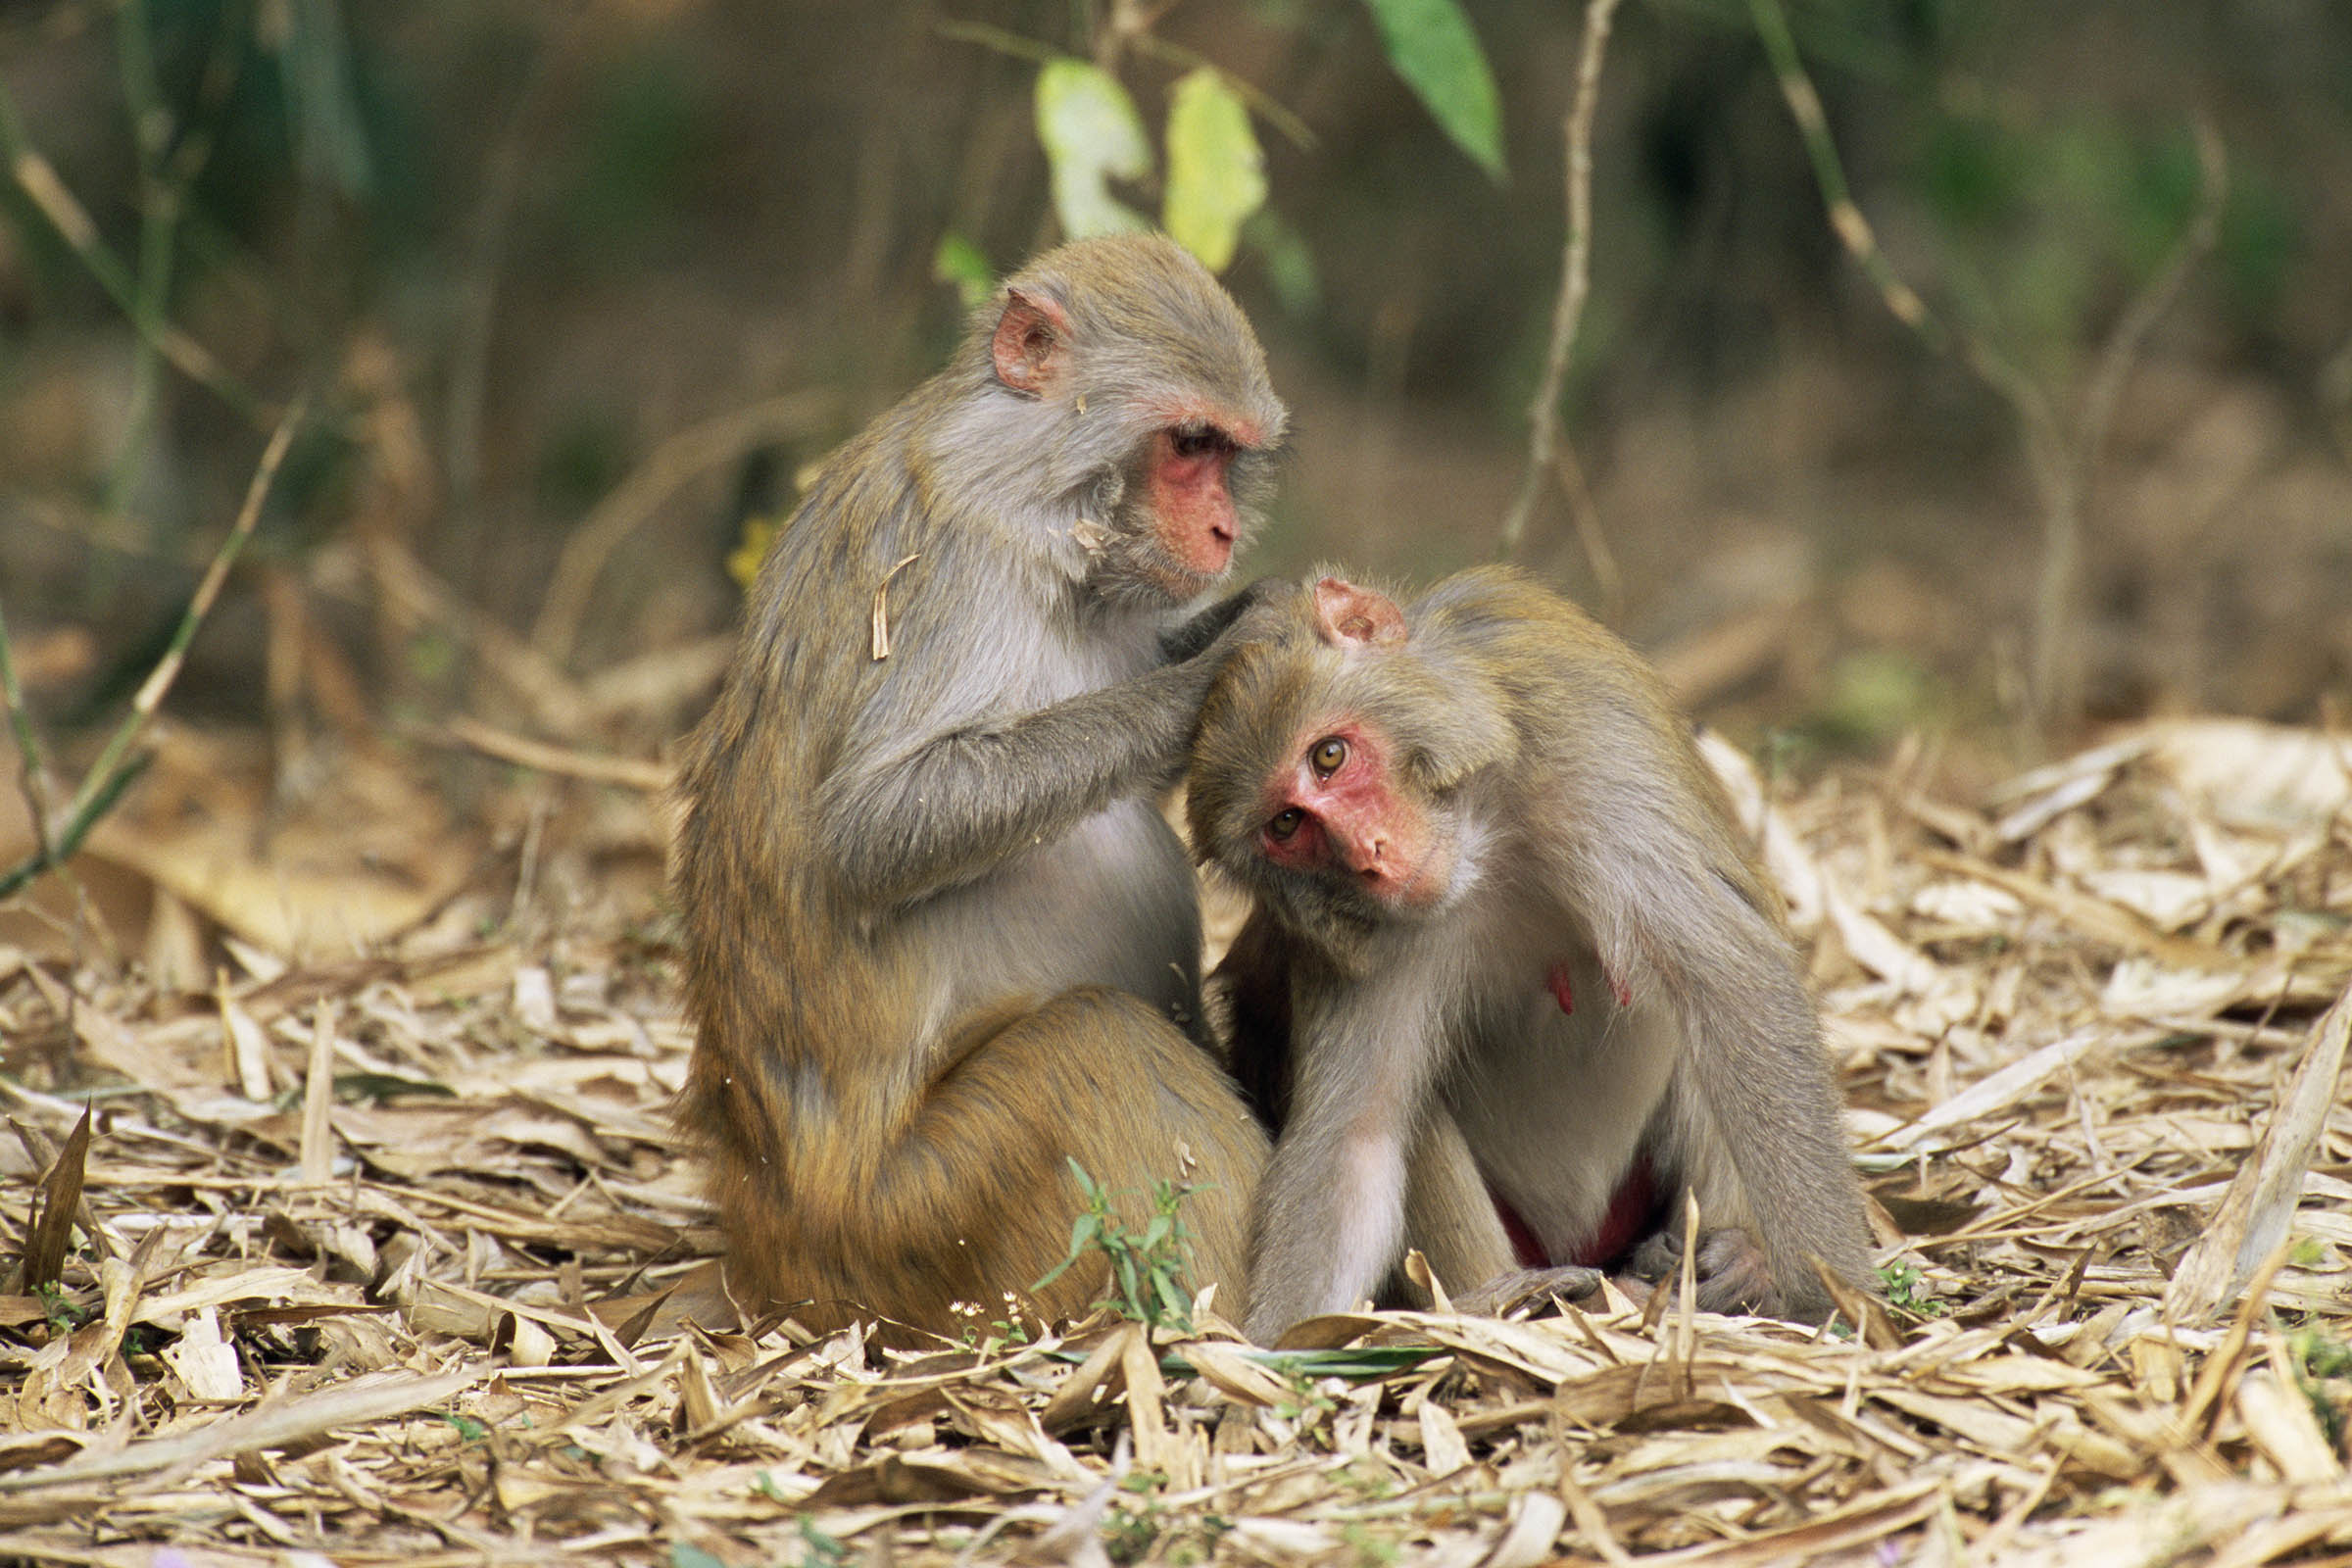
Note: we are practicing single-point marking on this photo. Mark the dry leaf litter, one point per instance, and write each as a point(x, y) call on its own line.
point(396, 1258)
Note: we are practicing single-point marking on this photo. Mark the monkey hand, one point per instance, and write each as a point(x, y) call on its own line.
point(1733, 1274)
point(1516, 1288)
point(1241, 618)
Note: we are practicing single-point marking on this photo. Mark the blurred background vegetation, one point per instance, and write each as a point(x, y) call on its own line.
point(575, 290)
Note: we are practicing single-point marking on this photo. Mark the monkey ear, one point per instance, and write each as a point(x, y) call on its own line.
point(1031, 341)
point(1346, 615)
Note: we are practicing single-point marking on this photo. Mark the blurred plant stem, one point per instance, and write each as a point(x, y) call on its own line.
point(151, 127)
point(2061, 454)
point(116, 766)
point(39, 182)
point(1128, 21)
point(1548, 448)
point(29, 747)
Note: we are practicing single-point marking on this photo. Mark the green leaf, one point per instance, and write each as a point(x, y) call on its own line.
point(959, 261)
point(1216, 171)
point(1358, 1364)
point(1091, 133)
point(1431, 44)
point(382, 1086)
point(684, 1556)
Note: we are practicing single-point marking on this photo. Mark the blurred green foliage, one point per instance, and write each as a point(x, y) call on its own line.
point(635, 173)
point(1216, 173)
point(562, 234)
point(1091, 135)
point(1436, 52)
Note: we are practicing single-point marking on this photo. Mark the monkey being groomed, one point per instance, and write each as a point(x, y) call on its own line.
point(940, 941)
point(1506, 941)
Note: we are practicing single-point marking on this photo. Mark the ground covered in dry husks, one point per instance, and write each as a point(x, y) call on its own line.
point(382, 1257)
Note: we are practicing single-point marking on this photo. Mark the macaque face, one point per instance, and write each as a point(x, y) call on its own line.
point(1184, 449)
point(1191, 523)
point(1339, 813)
point(1192, 506)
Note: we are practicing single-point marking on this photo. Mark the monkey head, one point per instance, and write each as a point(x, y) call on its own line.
point(1130, 396)
point(1334, 767)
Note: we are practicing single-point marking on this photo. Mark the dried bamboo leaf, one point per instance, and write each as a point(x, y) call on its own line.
point(2254, 1215)
point(276, 1425)
point(51, 1228)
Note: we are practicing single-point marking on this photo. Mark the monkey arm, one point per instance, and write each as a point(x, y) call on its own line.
point(1449, 1213)
point(1330, 1214)
point(1672, 924)
point(1194, 636)
point(904, 826)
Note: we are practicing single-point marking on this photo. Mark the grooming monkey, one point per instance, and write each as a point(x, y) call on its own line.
point(938, 938)
point(1506, 941)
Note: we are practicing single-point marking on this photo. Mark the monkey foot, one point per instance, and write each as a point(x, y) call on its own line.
point(1516, 1288)
point(1733, 1273)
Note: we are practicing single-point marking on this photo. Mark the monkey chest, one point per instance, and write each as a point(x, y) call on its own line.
point(1109, 902)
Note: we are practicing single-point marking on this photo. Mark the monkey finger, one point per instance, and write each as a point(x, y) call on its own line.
point(1656, 1256)
point(1214, 621)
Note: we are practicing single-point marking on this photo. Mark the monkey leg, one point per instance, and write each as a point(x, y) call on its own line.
point(1454, 1220)
point(971, 1198)
point(1447, 1212)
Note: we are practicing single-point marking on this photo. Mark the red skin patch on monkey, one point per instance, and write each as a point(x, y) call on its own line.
point(1557, 982)
point(1351, 822)
point(1562, 991)
point(1631, 1215)
point(1632, 1209)
point(1191, 504)
point(1526, 1249)
point(1191, 507)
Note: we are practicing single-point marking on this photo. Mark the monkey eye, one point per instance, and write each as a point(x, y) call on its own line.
point(1195, 440)
point(1286, 822)
point(1330, 752)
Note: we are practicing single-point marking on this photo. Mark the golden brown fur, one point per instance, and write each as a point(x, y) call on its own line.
point(939, 939)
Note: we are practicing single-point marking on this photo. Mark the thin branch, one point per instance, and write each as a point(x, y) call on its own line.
point(2053, 677)
point(469, 355)
point(2060, 455)
point(1294, 130)
point(1586, 519)
point(413, 596)
point(2148, 307)
point(1004, 40)
point(1129, 20)
point(1861, 242)
point(109, 776)
point(565, 761)
point(1544, 414)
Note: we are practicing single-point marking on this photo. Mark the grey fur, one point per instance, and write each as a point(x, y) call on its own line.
point(1584, 829)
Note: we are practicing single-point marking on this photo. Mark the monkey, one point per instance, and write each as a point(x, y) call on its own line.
point(1511, 976)
point(939, 939)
